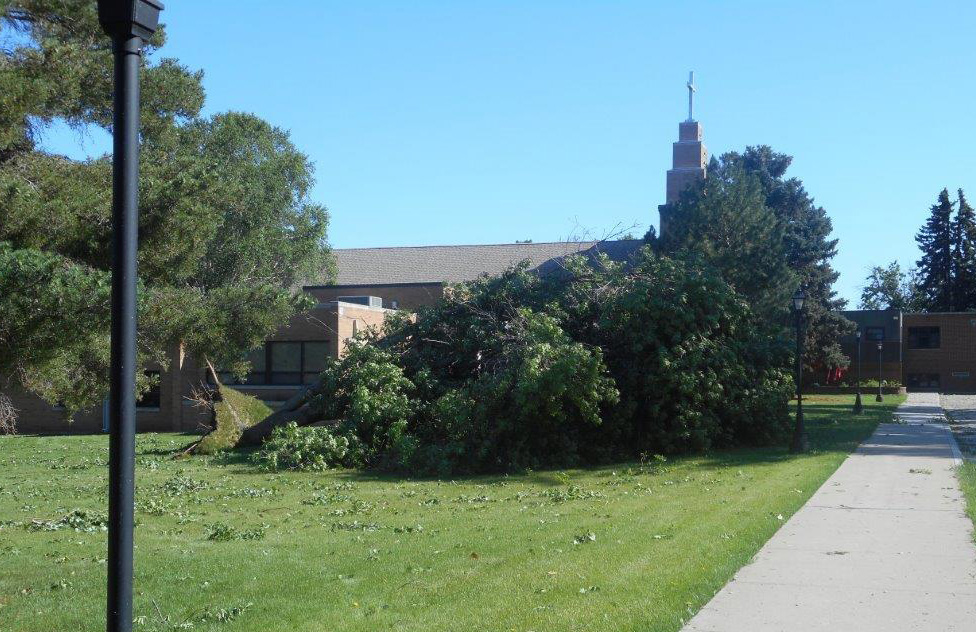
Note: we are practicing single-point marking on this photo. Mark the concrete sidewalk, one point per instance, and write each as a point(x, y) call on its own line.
point(883, 545)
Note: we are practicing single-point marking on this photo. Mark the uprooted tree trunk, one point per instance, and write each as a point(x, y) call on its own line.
point(297, 408)
point(8, 416)
point(208, 397)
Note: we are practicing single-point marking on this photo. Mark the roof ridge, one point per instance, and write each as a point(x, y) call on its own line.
point(533, 243)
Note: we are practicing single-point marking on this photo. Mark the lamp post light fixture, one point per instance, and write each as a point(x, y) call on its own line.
point(129, 23)
point(800, 442)
point(858, 406)
point(879, 398)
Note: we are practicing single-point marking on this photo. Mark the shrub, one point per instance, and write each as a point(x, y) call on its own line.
point(369, 393)
point(697, 369)
point(598, 361)
point(526, 408)
point(291, 447)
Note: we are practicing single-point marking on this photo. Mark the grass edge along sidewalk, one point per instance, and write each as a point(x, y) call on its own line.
point(223, 546)
point(967, 480)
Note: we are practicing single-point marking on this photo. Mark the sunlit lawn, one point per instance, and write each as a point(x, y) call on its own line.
point(223, 546)
point(967, 477)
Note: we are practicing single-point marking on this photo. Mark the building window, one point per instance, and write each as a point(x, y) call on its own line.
point(874, 333)
point(923, 380)
point(150, 398)
point(314, 357)
point(923, 338)
point(286, 362)
point(283, 363)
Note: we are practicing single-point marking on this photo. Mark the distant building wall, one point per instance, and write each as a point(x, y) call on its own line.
point(925, 352)
point(941, 348)
point(883, 326)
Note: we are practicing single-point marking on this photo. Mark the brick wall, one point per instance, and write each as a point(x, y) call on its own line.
point(954, 361)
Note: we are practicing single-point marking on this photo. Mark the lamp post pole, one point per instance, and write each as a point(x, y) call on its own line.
point(129, 23)
point(879, 398)
point(800, 441)
point(858, 406)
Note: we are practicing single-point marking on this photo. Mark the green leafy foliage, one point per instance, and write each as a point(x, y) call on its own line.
point(291, 447)
point(889, 287)
point(602, 361)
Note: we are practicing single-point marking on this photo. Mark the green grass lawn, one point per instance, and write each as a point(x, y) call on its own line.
point(967, 478)
point(222, 546)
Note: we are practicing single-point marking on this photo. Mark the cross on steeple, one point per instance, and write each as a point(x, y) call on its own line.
point(691, 94)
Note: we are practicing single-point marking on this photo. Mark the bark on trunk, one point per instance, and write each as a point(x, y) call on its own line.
point(215, 396)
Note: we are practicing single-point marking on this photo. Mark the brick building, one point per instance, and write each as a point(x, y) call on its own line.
point(935, 352)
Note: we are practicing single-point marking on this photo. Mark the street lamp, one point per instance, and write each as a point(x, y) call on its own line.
point(800, 443)
point(858, 406)
point(129, 23)
point(879, 398)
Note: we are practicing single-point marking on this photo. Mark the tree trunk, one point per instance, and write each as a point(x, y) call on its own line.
point(211, 398)
point(253, 436)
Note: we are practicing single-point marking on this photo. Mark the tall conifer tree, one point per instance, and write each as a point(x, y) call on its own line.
point(935, 240)
point(809, 247)
point(964, 256)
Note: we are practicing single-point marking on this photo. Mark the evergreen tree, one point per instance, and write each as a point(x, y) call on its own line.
point(935, 240)
point(808, 248)
point(226, 227)
point(964, 256)
point(726, 224)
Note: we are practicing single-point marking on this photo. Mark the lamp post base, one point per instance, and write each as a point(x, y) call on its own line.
point(858, 406)
point(878, 398)
point(800, 441)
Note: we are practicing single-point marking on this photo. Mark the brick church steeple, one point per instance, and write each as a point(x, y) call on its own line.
point(689, 157)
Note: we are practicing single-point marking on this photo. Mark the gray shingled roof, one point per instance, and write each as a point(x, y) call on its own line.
point(452, 264)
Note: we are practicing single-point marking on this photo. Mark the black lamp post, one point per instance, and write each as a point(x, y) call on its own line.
point(129, 23)
point(858, 406)
point(879, 398)
point(800, 443)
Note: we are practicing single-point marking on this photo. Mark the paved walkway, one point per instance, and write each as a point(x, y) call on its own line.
point(962, 410)
point(883, 545)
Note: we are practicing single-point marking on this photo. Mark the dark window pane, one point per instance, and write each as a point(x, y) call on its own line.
point(923, 380)
point(874, 333)
point(252, 377)
point(286, 356)
point(923, 338)
point(150, 399)
point(226, 377)
point(316, 353)
point(286, 377)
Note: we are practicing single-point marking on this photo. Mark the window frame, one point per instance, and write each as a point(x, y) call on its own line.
point(914, 337)
point(872, 329)
point(154, 394)
point(267, 380)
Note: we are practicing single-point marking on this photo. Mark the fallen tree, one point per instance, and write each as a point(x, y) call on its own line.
point(297, 408)
point(231, 414)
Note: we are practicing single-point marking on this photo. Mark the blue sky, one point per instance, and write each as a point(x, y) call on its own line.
point(476, 122)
